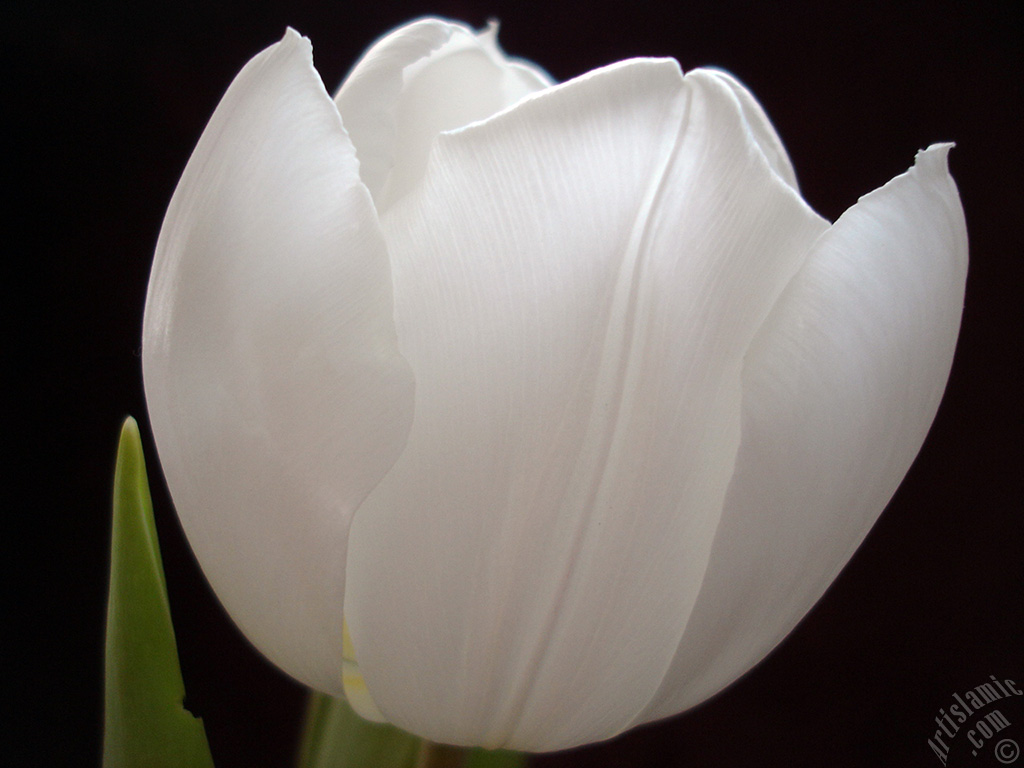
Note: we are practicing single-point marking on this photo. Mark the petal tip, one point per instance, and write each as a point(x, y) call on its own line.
point(293, 37)
point(490, 32)
point(935, 157)
point(294, 44)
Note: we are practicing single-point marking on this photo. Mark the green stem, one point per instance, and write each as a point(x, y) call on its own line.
point(336, 737)
point(314, 727)
point(440, 756)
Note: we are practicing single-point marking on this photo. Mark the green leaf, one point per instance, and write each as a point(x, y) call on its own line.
point(336, 737)
point(144, 724)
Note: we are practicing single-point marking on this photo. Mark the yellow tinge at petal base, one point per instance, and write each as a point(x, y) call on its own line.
point(356, 692)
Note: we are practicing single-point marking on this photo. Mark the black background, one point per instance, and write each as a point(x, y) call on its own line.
point(106, 101)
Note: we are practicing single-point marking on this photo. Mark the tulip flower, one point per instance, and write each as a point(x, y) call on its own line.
point(523, 413)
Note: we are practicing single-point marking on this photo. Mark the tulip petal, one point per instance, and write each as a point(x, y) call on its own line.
point(761, 128)
point(424, 78)
point(276, 391)
point(839, 390)
point(577, 280)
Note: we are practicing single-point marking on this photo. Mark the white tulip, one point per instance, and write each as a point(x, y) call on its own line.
point(526, 413)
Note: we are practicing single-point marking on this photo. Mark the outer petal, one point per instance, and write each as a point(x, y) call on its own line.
point(839, 390)
point(577, 281)
point(275, 388)
point(424, 78)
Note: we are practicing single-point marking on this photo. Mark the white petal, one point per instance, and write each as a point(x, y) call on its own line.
point(761, 128)
point(577, 280)
point(424, 78)
point(839, 390)
point(275, 388)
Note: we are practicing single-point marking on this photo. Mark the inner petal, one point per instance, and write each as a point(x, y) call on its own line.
point(422, 79)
